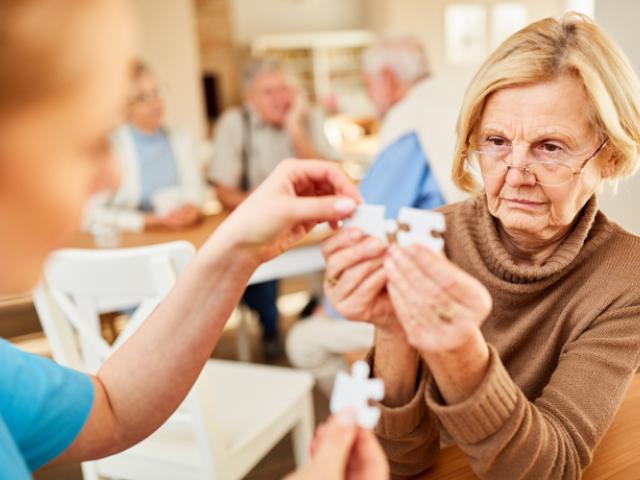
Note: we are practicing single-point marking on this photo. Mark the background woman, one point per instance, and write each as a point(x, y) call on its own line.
point(153, 160)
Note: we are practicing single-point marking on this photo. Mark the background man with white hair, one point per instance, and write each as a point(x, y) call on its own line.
point(417, 137)
point(273, 124)
point(412, 168)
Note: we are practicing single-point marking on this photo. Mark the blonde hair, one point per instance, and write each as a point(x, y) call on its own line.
point(543, 51)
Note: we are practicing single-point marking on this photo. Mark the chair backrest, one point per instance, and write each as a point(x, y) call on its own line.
point(297, 261)
point(79, 285)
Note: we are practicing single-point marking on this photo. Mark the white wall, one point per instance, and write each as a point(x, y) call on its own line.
point(261, 17)
point(425, 19)
point(620, 20)
point(168, 43)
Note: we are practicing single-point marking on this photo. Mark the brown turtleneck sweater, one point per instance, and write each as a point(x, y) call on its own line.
point(565, 343)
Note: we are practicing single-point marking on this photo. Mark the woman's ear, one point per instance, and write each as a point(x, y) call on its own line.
point(610, 166)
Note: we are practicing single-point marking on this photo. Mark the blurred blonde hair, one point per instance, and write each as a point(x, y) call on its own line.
point(543, 51)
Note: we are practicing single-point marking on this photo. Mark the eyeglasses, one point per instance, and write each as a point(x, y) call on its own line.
point(551, 168)
point(145, 96)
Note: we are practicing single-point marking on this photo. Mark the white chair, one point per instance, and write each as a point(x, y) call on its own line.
point(235, 414)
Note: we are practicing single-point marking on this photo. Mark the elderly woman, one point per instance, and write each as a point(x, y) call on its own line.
point(519, 344)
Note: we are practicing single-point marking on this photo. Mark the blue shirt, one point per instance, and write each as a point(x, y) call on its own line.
point(400, 176)
point(43, 407)
point(156, 163)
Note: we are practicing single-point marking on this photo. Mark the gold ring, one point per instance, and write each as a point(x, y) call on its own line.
point(332, 281)
point(446, 315)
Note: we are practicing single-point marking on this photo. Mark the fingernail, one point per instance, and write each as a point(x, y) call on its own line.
point(346, 418)
point(395, 251)
point(345, 205)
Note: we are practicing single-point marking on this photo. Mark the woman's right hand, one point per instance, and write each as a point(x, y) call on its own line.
point(355, 279)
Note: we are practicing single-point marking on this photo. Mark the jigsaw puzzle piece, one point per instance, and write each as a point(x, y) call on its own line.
point(424, 227)
point(370, 219)
point(368, 417)
point(354, 391)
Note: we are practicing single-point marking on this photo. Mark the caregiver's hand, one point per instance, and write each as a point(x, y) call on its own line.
point(355, 278)
point(342, 451)
point(441, 308)
point(289, 203)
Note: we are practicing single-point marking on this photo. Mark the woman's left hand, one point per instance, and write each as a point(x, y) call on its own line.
point(439, 305)
point(295, 197)
point(441, 308)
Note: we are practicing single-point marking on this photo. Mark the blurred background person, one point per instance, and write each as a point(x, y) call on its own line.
point(273, 124)
point(417, 133)
point(161, 186)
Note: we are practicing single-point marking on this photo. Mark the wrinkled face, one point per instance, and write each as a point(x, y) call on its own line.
point(535, 120)
point(54, 154)
point(272, 95)
point(145, 108)
point(380, 91)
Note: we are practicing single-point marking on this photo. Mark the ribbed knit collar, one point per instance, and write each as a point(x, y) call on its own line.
point(483, 230)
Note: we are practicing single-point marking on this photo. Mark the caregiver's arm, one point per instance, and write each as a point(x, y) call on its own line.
point(143, 383)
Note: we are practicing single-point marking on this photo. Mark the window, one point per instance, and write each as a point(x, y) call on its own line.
point(465, 34)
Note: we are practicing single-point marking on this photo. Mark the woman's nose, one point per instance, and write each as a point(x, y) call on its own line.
point(517, 173)
point(518, 176)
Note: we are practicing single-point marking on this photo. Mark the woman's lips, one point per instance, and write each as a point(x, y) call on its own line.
point(523, 203)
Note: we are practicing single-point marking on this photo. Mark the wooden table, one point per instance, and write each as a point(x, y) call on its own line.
point(15, 301)
point(197, 235)
point(616, 458)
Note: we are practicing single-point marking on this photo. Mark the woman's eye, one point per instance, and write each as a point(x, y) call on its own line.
point(496, 141)
point(551, 148)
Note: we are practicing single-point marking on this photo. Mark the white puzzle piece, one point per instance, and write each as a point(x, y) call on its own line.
point(370, 219)
point(424, 227)
point(413, 225)
point(354, 391)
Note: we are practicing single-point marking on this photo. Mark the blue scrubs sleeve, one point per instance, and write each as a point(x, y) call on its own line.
point(43, 405)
